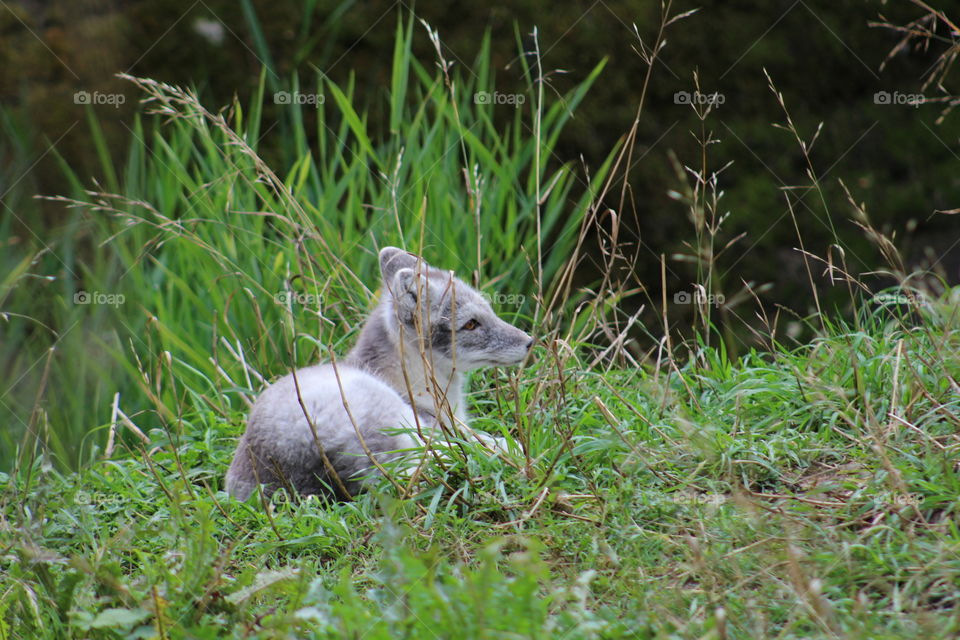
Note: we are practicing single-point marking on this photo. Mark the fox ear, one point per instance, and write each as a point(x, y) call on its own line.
point(407, 288)
point(392, 260)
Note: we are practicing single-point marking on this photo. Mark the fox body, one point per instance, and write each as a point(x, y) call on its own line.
point(402, 378)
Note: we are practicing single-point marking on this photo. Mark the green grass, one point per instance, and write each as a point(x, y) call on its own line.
point(205, 258)
point(770, 497)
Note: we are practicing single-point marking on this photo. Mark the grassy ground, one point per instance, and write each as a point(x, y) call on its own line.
point(795, 494)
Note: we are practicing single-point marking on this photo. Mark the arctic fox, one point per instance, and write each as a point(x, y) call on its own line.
point(405, 372)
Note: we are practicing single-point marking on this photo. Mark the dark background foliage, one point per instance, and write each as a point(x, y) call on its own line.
point(825, 58)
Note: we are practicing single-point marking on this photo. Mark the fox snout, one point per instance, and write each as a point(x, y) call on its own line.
point(514, 347)
point(529, 341)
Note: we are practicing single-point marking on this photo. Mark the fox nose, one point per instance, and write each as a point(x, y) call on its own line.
point(530, 344)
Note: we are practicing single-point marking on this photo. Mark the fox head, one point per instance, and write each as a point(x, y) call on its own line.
point(434, 310)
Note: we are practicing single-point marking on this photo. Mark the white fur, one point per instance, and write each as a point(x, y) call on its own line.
point(406, 372)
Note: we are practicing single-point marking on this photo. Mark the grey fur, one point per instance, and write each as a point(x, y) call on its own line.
point(406, 371)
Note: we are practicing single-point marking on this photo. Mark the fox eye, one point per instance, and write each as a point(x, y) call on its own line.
point(470, 325)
